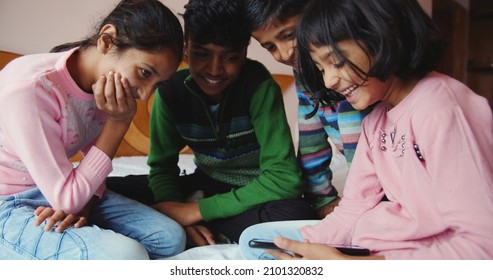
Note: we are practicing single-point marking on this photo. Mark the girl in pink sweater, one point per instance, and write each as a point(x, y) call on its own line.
point(421, 183)
point(82, 97)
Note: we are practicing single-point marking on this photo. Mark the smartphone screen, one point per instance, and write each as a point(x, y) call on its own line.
point(263, 244)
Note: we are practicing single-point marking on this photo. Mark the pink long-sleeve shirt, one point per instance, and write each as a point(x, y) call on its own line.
point(45, 118)
point(440, 206)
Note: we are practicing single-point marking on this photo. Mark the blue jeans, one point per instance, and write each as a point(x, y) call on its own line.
point(270, 230)
point(118, 228)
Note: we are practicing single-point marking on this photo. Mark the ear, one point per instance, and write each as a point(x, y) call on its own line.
point(245, 56)
point(106, 35)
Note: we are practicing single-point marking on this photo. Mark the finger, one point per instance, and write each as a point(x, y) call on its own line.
point(132, 104)
point(120, 94)
point(42, 214)
point(81, 222)
point(290, 245)
point(195, 238)
point(66, 222)
point(109, 91)
point(207, 234)
point(57, 216)
point(39, 210)
point(280, 255)
point(98, 91)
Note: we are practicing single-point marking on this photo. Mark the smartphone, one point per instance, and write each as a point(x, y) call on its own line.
point(351, 250)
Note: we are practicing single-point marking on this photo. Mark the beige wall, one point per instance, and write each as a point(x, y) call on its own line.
point(34, 26)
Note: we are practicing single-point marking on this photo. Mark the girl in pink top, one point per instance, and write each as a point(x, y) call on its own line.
point(82, 97)
point(421, 183)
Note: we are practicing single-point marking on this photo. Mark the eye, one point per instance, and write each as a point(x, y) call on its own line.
point(145, 73)
point(340, 63)
point(231, 57)
point(270, 47)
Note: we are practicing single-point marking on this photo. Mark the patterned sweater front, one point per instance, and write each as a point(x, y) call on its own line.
point(342, 124)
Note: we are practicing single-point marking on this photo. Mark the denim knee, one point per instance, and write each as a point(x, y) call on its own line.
point(114, 246)
point(169, 241)
point(252, 253)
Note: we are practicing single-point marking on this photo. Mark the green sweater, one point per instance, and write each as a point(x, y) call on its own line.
point(249, 145)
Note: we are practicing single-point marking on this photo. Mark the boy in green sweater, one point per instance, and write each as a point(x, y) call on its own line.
point(229, 111)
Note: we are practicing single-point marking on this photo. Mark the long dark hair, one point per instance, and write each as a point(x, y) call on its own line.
point(398, 36)
point(142, 24)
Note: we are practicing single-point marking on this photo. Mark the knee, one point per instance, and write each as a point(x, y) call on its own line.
point(127, 249)
point(114, 246)
point(167, 241)
point(245, 237)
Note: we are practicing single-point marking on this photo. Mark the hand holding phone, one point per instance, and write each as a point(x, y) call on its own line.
point(351, 250)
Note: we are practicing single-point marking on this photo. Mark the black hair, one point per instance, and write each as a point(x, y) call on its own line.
point(146, 25)
point(398, 36)
point(261, 13)
point(220, 22)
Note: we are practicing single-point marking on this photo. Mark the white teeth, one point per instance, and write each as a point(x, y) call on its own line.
point(210, 81)
point(348, 92)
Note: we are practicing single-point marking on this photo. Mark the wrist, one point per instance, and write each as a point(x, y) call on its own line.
point(196, 210)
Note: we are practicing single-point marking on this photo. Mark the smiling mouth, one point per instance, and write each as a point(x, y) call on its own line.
point(349, 91)
point(212, 81)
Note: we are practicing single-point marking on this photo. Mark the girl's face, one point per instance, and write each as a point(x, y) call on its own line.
point(340, 77)
point(144, 70)
point(214, 68)
point(279, 39)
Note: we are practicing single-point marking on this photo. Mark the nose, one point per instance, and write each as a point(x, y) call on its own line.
point(286, 53)
point(145, 92)
point(215, 65)
point(331, 79)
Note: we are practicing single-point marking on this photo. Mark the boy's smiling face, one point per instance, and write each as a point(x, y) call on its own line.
point(214, 68)
point(279, 38)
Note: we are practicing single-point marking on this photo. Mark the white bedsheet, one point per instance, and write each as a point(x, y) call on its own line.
point(123, 166)
point(137, 165)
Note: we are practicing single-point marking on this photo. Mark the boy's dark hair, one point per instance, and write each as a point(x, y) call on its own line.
point(146, 25)
point(398, 36)
point(220, 22)
point(261, 13)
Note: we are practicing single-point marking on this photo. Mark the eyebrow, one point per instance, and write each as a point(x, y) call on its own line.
point(285, 30)
point(198, 47)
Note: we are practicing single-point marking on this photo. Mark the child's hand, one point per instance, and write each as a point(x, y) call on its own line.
point(57, 216)
point(184, 213)
point(305, 251)
point(311, 251)
point(198, 235)
point(327, 209)
point(114, 97)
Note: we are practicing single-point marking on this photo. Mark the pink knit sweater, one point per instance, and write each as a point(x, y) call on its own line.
point(45, 118)
point(440, 204)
